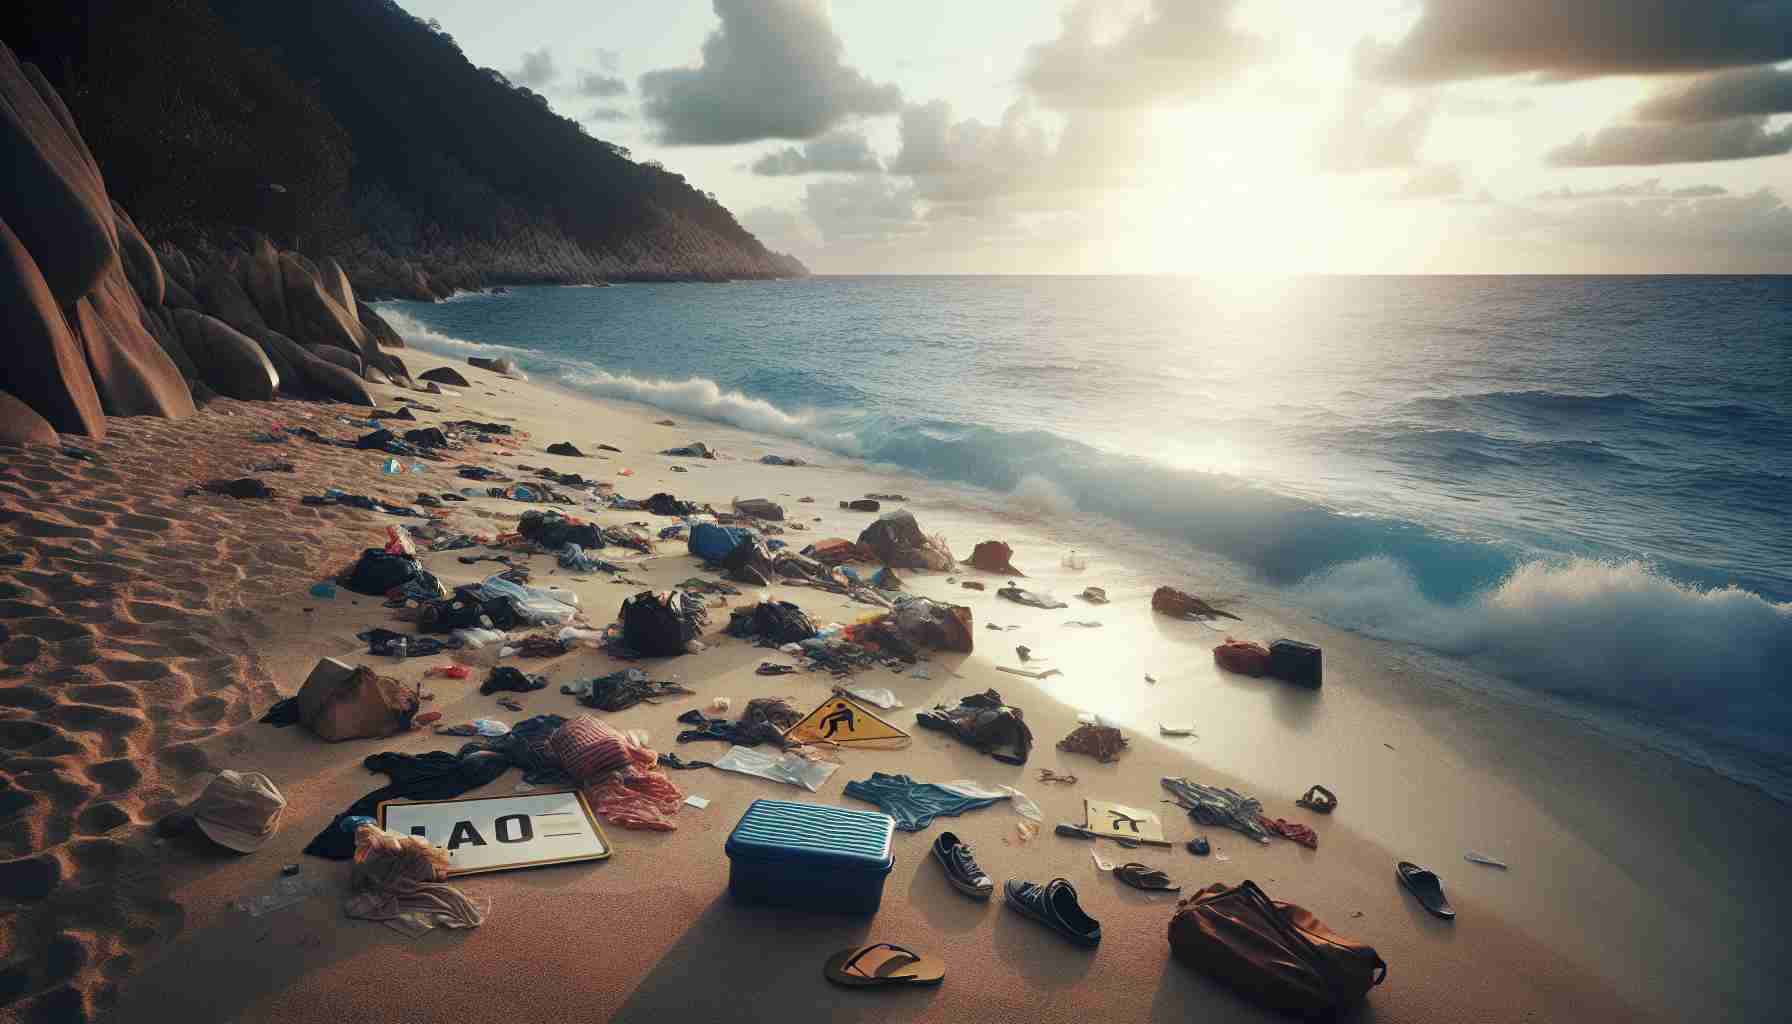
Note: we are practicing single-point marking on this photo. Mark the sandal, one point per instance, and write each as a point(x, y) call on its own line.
point(1141, 876)
point(1319, 800)
point(864, 967)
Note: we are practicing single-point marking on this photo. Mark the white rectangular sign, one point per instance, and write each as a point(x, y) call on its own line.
point(495, 833)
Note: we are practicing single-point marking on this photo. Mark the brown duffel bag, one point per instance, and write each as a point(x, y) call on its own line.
point(1274, 953)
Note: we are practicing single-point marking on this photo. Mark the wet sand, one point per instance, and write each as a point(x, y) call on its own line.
point(147, 631)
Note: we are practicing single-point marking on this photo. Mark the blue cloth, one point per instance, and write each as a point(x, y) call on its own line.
point(712, 543)
point(913, 804)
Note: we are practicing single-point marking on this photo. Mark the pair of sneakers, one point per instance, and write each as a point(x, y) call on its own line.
point(1053, 904)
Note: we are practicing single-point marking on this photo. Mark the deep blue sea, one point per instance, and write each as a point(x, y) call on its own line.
point(1584, 484)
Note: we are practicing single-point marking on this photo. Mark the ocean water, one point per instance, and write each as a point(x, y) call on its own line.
point(1581, 485)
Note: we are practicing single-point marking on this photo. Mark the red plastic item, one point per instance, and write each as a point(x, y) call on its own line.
point(1242, 656)
point(449, 671)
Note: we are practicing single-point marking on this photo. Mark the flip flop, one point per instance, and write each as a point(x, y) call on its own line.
point(1427, 888)
point(1141, 876)
point(882, 963)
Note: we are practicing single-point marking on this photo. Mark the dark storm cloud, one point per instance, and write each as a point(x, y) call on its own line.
point(1742, 92)
point(1177, 49)
point(1564, 39)
point(1645, 143)
point(773, 70)
point(835, 152)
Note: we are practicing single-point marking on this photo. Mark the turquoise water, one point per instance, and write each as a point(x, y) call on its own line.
point(1580, 483)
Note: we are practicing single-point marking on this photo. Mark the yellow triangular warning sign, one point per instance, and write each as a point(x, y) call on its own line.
point(841, 719)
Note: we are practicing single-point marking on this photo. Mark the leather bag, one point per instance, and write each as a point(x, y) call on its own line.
point(1276, 954)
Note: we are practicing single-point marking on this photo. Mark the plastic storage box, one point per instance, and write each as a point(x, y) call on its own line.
point(1297, 663)
point(810, 856)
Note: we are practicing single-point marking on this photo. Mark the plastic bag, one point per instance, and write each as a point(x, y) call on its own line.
point(476, 637)
point(788, 769)
point(284, 892)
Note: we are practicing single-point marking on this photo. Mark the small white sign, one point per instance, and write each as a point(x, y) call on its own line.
point(525, 830)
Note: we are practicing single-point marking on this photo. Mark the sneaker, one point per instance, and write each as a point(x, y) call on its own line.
point(1053, 905)
point(961, 869)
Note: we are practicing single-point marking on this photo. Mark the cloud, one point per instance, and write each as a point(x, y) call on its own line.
point(1649, 188)
point(1565, 39)
point(867, 207)
point(607, 115)
point(1357, 138)
point(1432, 183)
point(1758, 222)
point(1643, 143)
point(773, 70)
point(837, 151)
point(600, 86)
point(972, 162)
point(1740, 93)
point(781, 230)
point(1475, 106)
point(538, 69)
point(1176, 50)
point(609, 60)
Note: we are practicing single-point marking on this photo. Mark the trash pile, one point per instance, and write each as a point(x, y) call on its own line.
point(663, 624)
point(1102, 742)
point(895, 539)
point(986, 722)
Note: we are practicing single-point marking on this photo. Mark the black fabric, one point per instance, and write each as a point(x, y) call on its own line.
point(776, 623)
point(427, 437)
point(743, 733)
point(983, 721)
point(505, 677)
point(565, 448)
point(399, 645)
point(379, 571)
point(554, 531)
point(622, 690)
point(437, 775)
point(526, 745)
point(663, 504)
point(661, 625)
point(750, 562)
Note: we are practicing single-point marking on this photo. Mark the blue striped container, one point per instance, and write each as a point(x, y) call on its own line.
point(810, 856)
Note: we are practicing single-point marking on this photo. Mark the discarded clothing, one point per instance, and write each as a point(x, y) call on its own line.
point(1102, 742)
point(1094, 595)
point(565, 448)
point(398, 645)
point(622, 690)
point(378, 572)
point(983, 721)
point(537, 646)
point(527, 747)
point(759, 508)
point(621, 778)
point(994, 556)
point(1218, 807)
point(663, 624)
point(767, 668)
point(751, 562)
point(663, 504)
point(437, 775)
point(574, 557)
point(781, 460)
point(896, 539)
point(1290, 830)
point(505, 677)
point(913, 804)
point(694, 450)
point(1176, 604)
point(674, 761)
point(398, 879)
point(1028, 597)
point(774, 623)
point(763, 721)
point(481, 473)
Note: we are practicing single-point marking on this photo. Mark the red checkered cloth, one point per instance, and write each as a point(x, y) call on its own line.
point(588, 747)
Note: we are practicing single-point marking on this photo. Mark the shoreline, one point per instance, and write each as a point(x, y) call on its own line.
point(1590, 872)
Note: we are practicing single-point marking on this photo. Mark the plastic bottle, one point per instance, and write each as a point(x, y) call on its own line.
point(392, 467)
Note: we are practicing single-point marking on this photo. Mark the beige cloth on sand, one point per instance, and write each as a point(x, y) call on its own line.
point(398, 880)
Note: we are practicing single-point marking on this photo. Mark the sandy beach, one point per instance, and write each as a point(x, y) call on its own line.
point(146, 631)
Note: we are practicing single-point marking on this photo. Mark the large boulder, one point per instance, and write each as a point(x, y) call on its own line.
point(20, 424)
point(140, 264)
point(347, 360)
point(44, 366)
point(445, 375)
point(176, 267)
point(160, 325)
point(304, 375)
point(263, 281)
point(54, 202)
point(315, 317)
point(336, 284)
point(132, 373)
point(377, 328)
point(394, 368)
point(233, 365)
point(221, 296)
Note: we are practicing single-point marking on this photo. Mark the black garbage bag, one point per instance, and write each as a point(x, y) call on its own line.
point(750, 562)
point(565, 448)
point(379, 571)
point(779, 622)
point(985, 722)
point(897, 540)
point(663, 504)
point(466, 609)
point(505, 677)
point(554, 531)
point(377, 441)
point(427, 437)
point(661, 624)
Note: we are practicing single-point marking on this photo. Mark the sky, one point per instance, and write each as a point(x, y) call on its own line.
point(1193, 136)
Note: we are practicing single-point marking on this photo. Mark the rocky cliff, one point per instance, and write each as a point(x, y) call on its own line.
point(353, 130)
point(98, 323)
